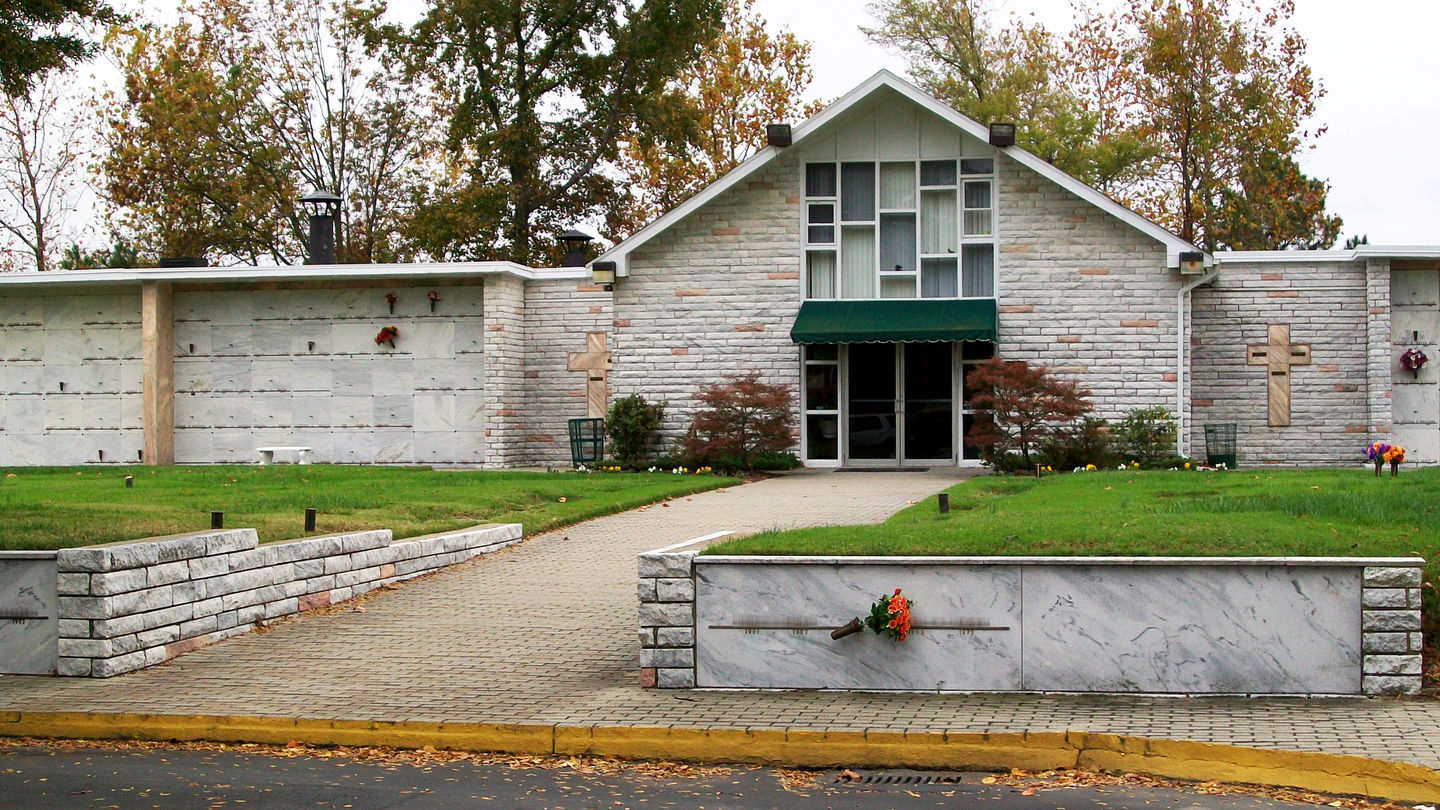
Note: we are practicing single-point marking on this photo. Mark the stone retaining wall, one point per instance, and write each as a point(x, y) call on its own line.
point(1035, 624)
point(123, 607)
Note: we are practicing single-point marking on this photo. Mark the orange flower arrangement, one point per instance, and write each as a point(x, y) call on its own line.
point(891, 615)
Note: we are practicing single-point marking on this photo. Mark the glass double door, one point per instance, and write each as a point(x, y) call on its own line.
point(901, 403)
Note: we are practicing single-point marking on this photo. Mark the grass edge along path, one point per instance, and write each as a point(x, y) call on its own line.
point(49, 507)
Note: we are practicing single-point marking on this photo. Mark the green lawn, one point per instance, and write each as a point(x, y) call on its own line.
point(1240, 513)
point(43, 508)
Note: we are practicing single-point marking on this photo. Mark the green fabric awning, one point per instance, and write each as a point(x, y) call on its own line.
point(895, 321)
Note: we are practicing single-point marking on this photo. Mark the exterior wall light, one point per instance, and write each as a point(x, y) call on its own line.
point(777, 134)
point(1192, 263)
point(1002, 134)
point(603, 273)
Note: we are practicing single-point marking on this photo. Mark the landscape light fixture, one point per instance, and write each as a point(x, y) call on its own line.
point(1002, 134)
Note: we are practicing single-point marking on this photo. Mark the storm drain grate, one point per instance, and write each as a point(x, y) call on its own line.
point(906, 779)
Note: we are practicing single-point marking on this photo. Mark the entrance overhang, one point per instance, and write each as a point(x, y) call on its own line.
point(898, 321)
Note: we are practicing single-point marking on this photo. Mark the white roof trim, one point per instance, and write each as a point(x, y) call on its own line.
point(1174, 245)
point(1318, 256)
point(305, 272)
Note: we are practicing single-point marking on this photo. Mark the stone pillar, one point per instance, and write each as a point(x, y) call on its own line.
point(504, 371)
point(1378, 352)
point(1390, 630)
point(157, 351)
point(667, 619)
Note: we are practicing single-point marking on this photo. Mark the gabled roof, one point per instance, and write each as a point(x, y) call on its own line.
point(1174, 245)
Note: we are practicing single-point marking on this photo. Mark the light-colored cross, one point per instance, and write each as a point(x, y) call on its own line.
point(595, 362)
point(1278, 355)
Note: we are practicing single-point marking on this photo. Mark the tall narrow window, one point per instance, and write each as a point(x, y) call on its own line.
point(857, 261)
point(978, 271)
point(857, 192)
point(822, 402)
point(820, 274)
point(977, 208)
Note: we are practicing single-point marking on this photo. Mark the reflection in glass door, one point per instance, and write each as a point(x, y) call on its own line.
point(928, 402)
point(871, 430)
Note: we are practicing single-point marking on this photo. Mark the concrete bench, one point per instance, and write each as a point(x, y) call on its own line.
point(267, 454)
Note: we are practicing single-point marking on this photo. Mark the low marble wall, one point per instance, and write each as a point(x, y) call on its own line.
point(29, 613)
point(1038, 624)
point(127, 606)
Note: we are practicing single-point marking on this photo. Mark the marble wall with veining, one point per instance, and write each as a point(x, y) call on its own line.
point(29, 613)
point(1215, 625)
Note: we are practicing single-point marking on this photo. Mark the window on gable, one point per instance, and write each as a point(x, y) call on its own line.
point(900, 229)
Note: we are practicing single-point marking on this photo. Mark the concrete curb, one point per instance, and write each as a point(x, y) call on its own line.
point(1319, 772)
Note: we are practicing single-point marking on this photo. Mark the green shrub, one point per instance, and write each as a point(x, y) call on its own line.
point(1079, 443)
point(631, 425)
point(1147, 435)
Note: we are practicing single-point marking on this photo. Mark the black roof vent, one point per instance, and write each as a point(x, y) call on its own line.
point(575, 248)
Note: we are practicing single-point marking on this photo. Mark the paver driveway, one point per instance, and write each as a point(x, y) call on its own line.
point(544, 633)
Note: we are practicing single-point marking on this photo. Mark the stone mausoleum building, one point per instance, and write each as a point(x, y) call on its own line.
point(868, 260)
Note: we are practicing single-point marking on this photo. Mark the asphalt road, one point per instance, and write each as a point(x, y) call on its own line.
point(40, 778)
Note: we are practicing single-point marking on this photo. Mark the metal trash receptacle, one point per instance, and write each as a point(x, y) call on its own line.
point(1220, 445)
point(587, 441)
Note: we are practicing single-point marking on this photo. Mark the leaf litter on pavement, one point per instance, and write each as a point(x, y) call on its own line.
point(797, 780)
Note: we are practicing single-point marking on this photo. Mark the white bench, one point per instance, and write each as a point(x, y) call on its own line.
point(267, 454)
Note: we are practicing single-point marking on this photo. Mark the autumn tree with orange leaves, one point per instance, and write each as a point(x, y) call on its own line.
point(745, 78)
point(1193, 112)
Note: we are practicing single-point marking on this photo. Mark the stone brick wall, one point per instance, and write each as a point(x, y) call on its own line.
point(300, 366)
point(1390, 625)
point(1415, 323)
point(90, 345)
point(667, 619)
point(128, 606)
point(716, 294)
point(1328, 307)
point(504, 372)
point(1084, 294)
point(558, 315)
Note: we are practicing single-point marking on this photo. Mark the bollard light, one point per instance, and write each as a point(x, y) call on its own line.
point(217, 520)
point(309, 520)
point(944, 502)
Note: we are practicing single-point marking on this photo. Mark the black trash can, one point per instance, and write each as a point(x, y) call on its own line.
point(587, 441)
point(1220, 445)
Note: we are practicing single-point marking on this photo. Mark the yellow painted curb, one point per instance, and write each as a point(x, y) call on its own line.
point(1322, 773)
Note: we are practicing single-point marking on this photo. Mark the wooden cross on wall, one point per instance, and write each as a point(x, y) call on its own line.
point(1278, 355)
point(595, 362)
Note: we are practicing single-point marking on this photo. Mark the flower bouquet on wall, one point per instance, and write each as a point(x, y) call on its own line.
point(1413, 360)
point(387, 336)
point(889, 615)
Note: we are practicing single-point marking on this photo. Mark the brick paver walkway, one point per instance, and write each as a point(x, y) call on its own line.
point(544, 633)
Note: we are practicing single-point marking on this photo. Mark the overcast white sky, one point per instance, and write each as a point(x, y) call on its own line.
point(1378, 61)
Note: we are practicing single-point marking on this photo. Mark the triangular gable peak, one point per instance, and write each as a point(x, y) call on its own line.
point(881, 90)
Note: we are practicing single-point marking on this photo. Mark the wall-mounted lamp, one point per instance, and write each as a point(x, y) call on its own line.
point(603, 273)
point(778, 135)
point(1192, 263)
point(1002, 134)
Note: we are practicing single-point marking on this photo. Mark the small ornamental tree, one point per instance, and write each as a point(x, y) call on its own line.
point(1020, 407)
point(631, 425)
point(739, 420)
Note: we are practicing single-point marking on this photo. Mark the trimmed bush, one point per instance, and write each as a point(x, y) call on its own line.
point(739, 423)
point(631, 424)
